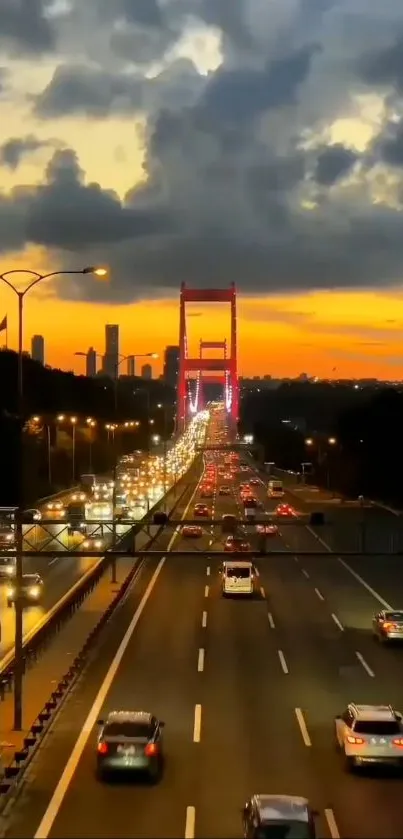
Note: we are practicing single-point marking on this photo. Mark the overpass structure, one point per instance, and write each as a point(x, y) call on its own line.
point(220, 369)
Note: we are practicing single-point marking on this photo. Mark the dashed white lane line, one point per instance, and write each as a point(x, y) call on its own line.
point(204, 620)
point(197, 724)
point(283, 662)
point(331, 823)
point(262, 592)
point(305, 573)
point(271, 620)
point(302, 725)
point(366, 666)
point(206, 590)
point(208, 570)
point(337, 622)
point(190, 822)
point(366, 585)
point(200, 661)
point(319, 594)
point(210, 543)
point(296, 559)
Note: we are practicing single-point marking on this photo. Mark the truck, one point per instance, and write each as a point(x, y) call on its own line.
point(275, 489)
point(88, 483)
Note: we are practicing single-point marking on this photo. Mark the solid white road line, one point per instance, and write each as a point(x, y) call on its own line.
point(366, 585)
point(208, 570)
point(200, 661)
point(70, 769)
point(206, 590)
point(271, 620)
point(197, 724)
point(204, 620)
point(283, 662)
point(366, 666)
point(319, 594)
point(262, 592)
point(190, 822)
point(337, 622)
point(302, 725)
point(331, 823)
point(319, 538)
point(305, 573)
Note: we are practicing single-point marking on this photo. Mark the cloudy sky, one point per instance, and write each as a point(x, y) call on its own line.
point(208, 141)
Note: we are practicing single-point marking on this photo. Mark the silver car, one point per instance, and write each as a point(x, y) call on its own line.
point(388, 626)
point(369, 734)
point(288, 816)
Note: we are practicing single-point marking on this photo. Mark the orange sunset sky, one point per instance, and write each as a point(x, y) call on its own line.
point(328, 334)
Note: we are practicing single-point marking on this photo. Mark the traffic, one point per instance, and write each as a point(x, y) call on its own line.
point(256, 695)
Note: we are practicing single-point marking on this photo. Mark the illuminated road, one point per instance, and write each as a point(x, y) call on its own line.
point(259, 699)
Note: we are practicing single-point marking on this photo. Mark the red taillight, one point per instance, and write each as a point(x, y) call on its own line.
point(398, 741)
point(151, 750)
point(102, 748)
point(355, 741)
point(389, 626)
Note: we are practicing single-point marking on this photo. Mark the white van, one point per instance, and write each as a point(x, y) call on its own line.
point(275, 489)
point(238, 577)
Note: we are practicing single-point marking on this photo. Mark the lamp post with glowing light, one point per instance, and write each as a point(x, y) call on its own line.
point(323, 446)
point(6, 278)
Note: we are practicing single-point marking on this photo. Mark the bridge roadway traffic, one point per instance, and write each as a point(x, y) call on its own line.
point(248, 691)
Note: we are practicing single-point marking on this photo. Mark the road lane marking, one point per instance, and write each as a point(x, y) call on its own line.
point(208, 570)
point(305, 573)
point(318, 538)
point(204, 620)
point(262, 592)
point(337, 622)
point(283, 662)
point(206, 590)
point(271, 620)
point(200, 661)
point(190, 822)
point(70, 769)
point(196, 727)
point(319, 594)
point(331, 823)
point(366, 666)
point(296, 558)
point(302, 725)
point(366, 585)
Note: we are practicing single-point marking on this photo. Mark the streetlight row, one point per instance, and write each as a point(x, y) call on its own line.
point(91, 423)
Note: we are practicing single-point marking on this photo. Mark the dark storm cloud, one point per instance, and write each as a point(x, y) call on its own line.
point(25, 26)
point(333, 163)
point(388, 148)
point(385, 67)
point(14, 150)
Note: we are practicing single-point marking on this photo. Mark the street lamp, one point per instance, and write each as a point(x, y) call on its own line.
point(19, 662)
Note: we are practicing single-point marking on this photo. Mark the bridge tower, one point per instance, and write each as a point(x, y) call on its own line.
point(228, 364)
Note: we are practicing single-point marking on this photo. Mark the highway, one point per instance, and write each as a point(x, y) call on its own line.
point(248, 691)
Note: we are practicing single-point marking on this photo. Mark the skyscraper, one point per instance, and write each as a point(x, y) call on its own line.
point(131, 366)
point(146, 371)
point(111, 357)
point(38, 348)
point(171, 366)
point(91, 363)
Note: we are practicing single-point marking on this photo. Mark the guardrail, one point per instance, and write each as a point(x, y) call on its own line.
point(73, 599)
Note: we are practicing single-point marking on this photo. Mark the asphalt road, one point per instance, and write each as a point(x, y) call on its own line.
point(252, 712)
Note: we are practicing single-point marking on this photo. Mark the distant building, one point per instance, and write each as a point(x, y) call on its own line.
point(38, 348)
point(171, 366)
point(131, 366)
point(91, 363)
point(111, 357)
point(146, 371)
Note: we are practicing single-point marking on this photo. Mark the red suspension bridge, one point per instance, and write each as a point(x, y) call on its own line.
point(221, 369)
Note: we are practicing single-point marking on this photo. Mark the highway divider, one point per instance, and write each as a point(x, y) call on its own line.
point(43, 633)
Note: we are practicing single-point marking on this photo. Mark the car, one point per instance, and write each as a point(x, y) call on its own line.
point(201, 510)
point(235, 544)
point(254, 482)
point(7, 538)
point(388, 626)
point(130, 741)
point(250, 501)
point(237, 578)
point(31, 590)
point(207, 492)
point(55, 507)
point(32, 516)
point(79, 496)
point(278, 816)
point(224, 490)
point(7, 567)
point(267, 529)
point(192, 531)
point(369, 734)
point(93, 543)
point(284, 511)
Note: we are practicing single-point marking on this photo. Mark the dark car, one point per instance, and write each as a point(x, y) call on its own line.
point(278, 816)
point(31, 590)
point(130, 741)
